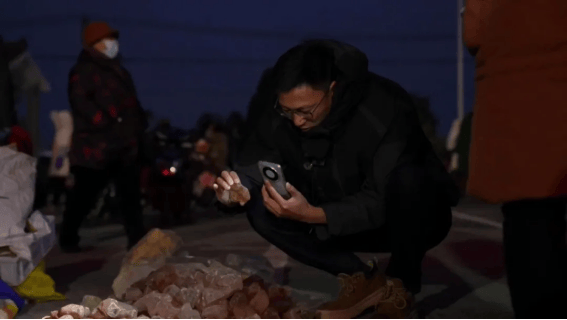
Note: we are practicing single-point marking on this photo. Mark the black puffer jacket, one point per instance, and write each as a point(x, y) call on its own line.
point(108, 120)
point(372, 129)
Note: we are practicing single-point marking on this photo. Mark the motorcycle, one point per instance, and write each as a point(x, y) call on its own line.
point(168, 187)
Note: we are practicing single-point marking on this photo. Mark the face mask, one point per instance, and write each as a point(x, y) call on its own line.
point(111, 48)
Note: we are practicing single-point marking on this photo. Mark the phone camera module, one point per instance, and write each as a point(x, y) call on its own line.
point(271, 174)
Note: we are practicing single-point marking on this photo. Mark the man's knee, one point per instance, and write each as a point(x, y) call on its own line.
point(407, 182)
point(269, 226)
point(440, 226)
point(258, 218)
point(414, 202)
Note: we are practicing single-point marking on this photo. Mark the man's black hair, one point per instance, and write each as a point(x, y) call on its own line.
point(309, 63)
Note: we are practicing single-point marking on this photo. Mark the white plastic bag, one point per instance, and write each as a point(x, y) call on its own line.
point(63, 122)
point(17, 186)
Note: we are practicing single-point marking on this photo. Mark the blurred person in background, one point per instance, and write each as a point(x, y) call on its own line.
point(518, 152)
point(218, 151)
point(8, 116)
point(211, 128)
point(109, 124)
point(236, 130)
point(214, 144)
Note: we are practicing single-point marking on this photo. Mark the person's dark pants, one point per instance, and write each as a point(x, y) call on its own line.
point(536, 257)
point(58, 188)
point(85, 192)
point(41, 183)
point(417, 219)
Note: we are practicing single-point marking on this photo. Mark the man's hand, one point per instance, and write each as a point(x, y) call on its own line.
point(295, 208)
point(229, 190)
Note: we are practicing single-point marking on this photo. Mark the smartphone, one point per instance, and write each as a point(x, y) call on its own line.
point(273, 173)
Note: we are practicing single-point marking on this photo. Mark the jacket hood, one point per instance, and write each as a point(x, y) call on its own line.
point(350, 61)
point(352, 82)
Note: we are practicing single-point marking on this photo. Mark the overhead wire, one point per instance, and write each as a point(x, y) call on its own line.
point(58, 19)
point(245, 61)
point(63, 19)
point(54, 20)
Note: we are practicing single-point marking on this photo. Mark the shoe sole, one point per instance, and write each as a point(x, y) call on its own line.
point(413, 315)
point(370, 301)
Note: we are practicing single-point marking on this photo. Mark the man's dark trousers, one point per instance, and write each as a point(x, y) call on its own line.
point(417, 219)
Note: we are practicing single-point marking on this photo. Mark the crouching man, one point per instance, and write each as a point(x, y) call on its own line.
point(361, 174)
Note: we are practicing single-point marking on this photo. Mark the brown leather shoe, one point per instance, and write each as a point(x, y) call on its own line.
point(357, 294)
point(397, 302)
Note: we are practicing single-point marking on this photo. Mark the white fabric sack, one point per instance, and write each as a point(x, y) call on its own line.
point(20, 244)
point(17, 187)
point(29, 248)
point(63, 122)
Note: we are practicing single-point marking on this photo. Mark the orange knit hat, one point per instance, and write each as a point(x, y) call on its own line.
point(97, 31)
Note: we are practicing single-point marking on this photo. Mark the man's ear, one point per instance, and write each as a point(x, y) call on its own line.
point(332, 86)
point(331, 93)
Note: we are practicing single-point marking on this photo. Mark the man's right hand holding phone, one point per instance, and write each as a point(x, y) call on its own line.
point(229, 189)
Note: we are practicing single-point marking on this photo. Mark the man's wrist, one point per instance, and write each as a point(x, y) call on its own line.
point(316, 215)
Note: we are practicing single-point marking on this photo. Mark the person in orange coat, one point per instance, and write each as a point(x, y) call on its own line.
point(518, 153)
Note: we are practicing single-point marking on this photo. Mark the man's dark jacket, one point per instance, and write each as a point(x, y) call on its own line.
point(343, 165)
point(108, 121)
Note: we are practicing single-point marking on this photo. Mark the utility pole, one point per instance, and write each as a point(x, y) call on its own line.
point(456, 126)
point(460, 63)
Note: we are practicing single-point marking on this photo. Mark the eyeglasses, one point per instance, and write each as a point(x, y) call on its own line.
point(303, 114)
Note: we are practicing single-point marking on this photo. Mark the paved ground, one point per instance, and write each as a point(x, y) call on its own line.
point(463, 277)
